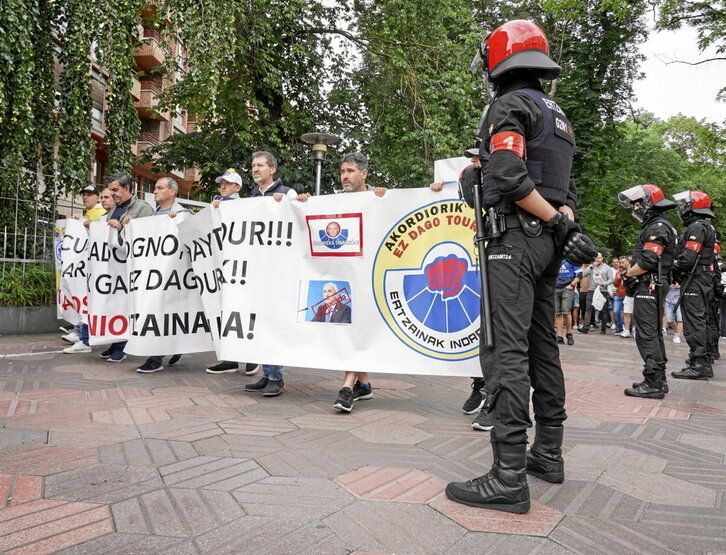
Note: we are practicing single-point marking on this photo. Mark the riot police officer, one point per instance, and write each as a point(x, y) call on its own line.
point(693, 269)
point(530, 200)
point(652, 260)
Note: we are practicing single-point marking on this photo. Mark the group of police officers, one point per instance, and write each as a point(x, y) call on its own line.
point(529, 199)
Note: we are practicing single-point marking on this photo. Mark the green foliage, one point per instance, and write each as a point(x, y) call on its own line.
point(122, 120)
point(75, 145)
point(28, 285)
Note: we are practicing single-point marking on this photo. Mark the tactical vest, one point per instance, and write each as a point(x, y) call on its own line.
point(707, 247)
point(666, 257)
point(548, 154)
point(276, 187)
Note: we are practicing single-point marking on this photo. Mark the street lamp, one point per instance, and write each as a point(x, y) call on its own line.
point(320, 142)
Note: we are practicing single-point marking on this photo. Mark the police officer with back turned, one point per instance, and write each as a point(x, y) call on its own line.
point(648, 277)
point(529, 198)
point(693, 269)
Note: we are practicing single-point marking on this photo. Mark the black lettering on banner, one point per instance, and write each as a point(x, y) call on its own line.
point(106, 284)
point(170, 324)
point(233, 325)
point(236, 271)
point(77, 244)
point(244, 232)
point(154, 246)
point(75, 269)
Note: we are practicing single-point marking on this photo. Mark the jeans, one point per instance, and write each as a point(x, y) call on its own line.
point(84, 334)
point(618, 313)
point(272, 372)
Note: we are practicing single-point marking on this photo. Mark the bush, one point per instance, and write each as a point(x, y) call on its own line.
point(28, 285)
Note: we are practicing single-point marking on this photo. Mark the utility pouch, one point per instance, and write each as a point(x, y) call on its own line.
point(531, 225)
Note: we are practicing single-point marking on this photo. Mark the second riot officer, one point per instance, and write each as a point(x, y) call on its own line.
point(652, 260)
point(530, 202)
point(693, 269)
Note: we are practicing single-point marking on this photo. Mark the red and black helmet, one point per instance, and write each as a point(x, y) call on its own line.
point(697, 202)
point(649, 197)
point(518, 44)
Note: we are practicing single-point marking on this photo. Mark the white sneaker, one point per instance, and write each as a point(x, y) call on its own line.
point(625, 333)
point(71, 338)
point(676, 339)
point(77, 347)
point(612, 325)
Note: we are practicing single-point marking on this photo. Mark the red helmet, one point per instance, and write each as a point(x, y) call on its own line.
point(697, 202)
point(648, 196)
point(518, 44)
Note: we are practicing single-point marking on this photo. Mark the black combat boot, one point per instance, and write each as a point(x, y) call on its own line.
point(699, 371)
point(503, 488)
point(544, 459)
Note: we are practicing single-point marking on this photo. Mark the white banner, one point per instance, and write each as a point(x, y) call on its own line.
point(165, 307)
point(343, 282)
point(71, 244)
point(108, 305)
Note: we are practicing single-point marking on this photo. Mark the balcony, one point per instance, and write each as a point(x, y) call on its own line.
point(146, 140)
point(149, 54)
point(149, 100)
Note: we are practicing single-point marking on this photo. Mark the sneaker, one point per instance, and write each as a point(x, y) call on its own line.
point(116, 356)
point(107, 353)
point(676, 339)
point(625, 333)
point(258, 386)
point(223, 367)
point(612, 325)
point(560, 339)
point(273, 388)
point(483, 422)
point(583, 329)
point(174, 359)
point(71, 338)
point(344, 401)
point(362, 392)
point(77, 347)
point(636, 385)
point(570, 339)
point(251, 368)
point(475, 401)
point(603, 331)
point(150, 366)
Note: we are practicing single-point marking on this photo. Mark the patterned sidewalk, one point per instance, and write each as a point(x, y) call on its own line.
point(96, 458)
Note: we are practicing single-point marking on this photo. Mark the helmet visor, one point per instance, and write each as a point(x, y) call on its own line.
point(630, 196)
point(682, 198)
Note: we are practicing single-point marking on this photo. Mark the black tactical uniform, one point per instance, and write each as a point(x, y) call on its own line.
point(653, 251)
point(693, 269)
point(523, 263)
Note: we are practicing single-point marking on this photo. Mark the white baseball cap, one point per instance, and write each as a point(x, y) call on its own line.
point(230, 175)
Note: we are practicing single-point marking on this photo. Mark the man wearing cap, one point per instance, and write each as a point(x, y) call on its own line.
point(230, 183)
point(91, 199)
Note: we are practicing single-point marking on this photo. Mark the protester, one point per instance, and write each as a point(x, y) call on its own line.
point(565, 285)
point(619, 295)
point(601, 276)
point(673, 311)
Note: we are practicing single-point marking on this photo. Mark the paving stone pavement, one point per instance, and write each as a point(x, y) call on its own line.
point(96, 458)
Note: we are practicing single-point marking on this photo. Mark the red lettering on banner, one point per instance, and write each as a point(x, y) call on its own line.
point(695, 246)
point(655, 247)
point(507, 140)
point(100, 326)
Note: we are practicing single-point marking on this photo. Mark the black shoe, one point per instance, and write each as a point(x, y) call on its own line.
point(645, 391)
point(223, 367)
point(636, 385)
point(273, 388)
point(602, 331)
point(251, 368)
point(583, 330)
point(475, 401)
point(570, 339)
point(149, 367)
point(560, 339)
point(503, 488)
point(258, 386)
point(483, 422)
point(696, 372)
point(107, 353)
point(361, 392)
point(174, 359)
point(344, 401)
point(544, 459)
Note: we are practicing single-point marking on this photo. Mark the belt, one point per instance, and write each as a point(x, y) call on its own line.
point(704, 267)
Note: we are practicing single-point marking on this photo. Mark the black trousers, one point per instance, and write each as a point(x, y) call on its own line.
point(647, 337)
point(697, 316)
point(522, 273)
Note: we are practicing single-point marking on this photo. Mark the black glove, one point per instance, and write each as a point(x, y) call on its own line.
point(576, 247)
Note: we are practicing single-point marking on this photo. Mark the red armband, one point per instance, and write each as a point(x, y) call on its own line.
point(655, 247)
point(694, 246)
point(507, 140)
